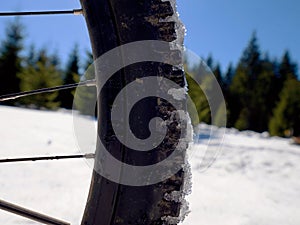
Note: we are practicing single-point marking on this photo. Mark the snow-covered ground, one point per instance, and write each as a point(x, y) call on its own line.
point(255, 179)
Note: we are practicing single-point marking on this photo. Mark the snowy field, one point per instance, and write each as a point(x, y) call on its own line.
point(254, 181)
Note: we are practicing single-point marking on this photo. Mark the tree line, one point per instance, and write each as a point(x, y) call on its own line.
point(36, 69)
point(261, 94)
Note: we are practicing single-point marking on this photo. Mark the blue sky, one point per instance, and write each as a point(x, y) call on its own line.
point(219, 27)
point(223, 27)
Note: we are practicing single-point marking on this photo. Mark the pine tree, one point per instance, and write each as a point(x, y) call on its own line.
point(227, 94)
point(287, 69)
point(251, 58)
point(239, 97)
point(40, 73)
point(229, 76)
point(71, 76)
point(10, 59)
point(286, 114)
point(243, 112)
point(264, 96)
point(210, 62)
point(218, 74)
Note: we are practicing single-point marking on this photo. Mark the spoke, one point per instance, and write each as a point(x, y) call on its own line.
point(43, 158)
point(38, 13)
point(35, 216)
point(88, 83)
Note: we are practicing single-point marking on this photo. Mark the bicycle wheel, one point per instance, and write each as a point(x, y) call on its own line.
point(113, 23)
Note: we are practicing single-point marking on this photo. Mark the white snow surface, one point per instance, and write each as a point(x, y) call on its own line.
point(254, 180)
point(55, 188)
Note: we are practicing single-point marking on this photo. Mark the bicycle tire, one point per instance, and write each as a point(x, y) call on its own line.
point(112, 23)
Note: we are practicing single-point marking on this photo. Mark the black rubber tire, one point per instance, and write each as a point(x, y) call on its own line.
point(112, 23)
